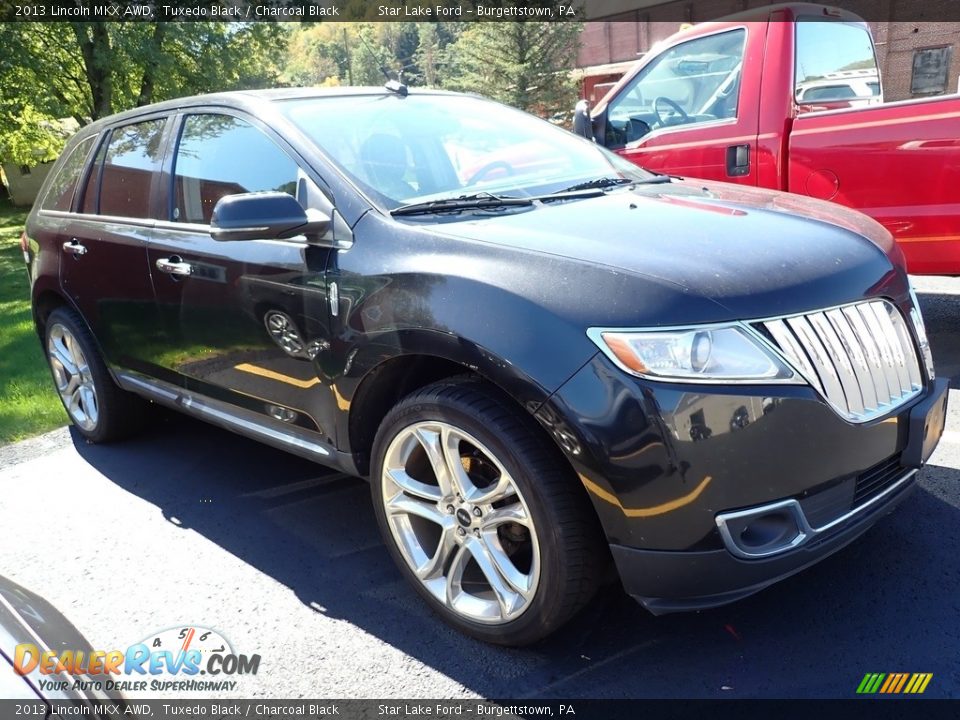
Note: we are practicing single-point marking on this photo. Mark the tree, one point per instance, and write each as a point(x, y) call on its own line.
point(351, 53)
point(87, 70)
point(357, 53)
point(320, 54)
point(524, 64)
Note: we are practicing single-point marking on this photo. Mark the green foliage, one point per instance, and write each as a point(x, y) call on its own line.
point(351, 53)
point(31, 138)
point(28, 402)
point(524, 64)
point(87, 70)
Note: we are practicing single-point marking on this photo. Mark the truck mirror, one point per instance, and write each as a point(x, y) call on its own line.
point(582, 125)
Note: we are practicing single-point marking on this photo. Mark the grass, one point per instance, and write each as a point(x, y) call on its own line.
point(28, 403)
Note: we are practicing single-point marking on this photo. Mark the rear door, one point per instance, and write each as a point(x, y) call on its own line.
point(103, 267)
point(244, 321)
point(692, 110)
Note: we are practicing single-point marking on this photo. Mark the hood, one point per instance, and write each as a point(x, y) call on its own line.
point(756, 253)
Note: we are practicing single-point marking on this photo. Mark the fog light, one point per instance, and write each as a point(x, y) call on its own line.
point(764, 531)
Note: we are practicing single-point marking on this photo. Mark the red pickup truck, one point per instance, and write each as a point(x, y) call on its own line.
point(789, 98)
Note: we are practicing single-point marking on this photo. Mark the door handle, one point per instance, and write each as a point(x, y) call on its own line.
point(738, 160)
point(174, 265)
point(74, 247)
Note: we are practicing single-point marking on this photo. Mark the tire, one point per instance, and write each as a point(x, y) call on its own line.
point(97, 407)
point(502, 543)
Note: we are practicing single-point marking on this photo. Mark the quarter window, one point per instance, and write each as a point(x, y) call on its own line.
point(59, 195)
point(132, 159)
point(695, 82)
point(222, 155)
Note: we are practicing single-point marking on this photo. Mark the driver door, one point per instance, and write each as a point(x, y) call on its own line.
point(692, 111)
point(244, 321)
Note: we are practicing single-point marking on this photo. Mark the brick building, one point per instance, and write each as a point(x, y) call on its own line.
point(916, 59)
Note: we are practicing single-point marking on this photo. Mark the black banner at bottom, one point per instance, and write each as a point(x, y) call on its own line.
point(299, 709)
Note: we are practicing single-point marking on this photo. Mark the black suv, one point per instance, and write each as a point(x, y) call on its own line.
point(543, 358)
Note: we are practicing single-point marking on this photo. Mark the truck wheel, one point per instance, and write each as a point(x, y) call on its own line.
point(482, 516)
point(99, 409)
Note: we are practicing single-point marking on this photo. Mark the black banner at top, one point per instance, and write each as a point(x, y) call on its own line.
point(450, 10)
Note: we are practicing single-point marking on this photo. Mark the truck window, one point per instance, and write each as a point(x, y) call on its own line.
point(59, 195)
point(835, 63)
point(697, 81)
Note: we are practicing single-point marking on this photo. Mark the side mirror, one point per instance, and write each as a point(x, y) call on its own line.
point(582, 125)
point(264, 216)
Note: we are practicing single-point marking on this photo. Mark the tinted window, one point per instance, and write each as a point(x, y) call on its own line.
point(696, 81)
point(133, 156)
point(221, 155)
point(91, 192)
point(837, 52)
point(59, 195)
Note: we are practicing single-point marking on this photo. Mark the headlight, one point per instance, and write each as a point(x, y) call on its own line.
point(705, 354)
point(916, 317)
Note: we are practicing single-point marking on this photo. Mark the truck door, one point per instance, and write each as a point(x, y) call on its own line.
point(692, 110)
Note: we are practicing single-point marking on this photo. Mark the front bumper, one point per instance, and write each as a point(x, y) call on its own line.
point(661, 463)
point(665, 582)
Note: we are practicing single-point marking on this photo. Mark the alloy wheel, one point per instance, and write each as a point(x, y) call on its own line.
point(460, 522)
point(73, 378)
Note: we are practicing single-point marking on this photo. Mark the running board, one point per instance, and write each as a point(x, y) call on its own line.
point(239, 420)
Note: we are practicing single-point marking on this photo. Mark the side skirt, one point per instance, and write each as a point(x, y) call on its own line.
point(238, 420)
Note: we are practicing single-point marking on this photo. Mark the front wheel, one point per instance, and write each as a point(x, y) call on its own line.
point(481, 514)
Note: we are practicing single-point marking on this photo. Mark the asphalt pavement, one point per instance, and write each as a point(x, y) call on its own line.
point(189, 525)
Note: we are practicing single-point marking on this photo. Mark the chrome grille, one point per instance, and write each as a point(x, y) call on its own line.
point(861, 358)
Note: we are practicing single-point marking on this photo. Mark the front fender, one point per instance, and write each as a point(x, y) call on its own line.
point(404, 293)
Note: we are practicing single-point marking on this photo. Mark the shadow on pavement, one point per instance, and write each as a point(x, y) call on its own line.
point(887, 602)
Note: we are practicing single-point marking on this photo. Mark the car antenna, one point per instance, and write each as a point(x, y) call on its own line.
point(393, 85)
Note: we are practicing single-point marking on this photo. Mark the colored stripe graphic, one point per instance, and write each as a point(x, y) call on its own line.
point(894, 683)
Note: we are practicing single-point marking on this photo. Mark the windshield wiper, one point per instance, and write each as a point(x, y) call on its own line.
point(599, 183)
point(608, 182)
point(480, 201)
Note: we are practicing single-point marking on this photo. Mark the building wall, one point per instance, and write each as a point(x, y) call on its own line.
point(896, 46)
point(23, 189)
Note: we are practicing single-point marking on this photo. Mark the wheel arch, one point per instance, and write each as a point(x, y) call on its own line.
point(45, 301)
point(392, 379)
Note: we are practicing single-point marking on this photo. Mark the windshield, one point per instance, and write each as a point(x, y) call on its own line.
point(430, 147)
